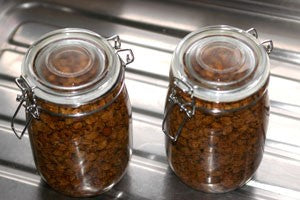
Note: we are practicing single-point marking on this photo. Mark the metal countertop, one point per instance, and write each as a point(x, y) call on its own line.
point(152, 29)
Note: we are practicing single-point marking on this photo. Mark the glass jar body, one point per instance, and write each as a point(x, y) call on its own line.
point(218, 152)
point(85, 155)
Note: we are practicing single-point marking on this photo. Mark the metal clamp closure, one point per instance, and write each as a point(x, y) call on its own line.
point(117, 41)
point(267, 44)
point(27, 99)
point(253, 32)
point(184, 106)
point(129, 57)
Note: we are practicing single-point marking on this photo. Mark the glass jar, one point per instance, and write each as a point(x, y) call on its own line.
point(77, 110)
point(217, 108)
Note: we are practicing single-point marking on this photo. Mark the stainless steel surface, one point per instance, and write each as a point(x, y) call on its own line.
point(152, 29)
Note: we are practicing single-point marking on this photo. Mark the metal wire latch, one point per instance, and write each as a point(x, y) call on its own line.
point(185, 106)
point(27, 99)
point(267, 44)
point(129, 57)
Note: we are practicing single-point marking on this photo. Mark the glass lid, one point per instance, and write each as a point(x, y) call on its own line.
point(221, 63)
point(71, 66)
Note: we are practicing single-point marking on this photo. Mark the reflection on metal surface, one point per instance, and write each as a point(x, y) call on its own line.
point(148, 169)
point(33, 180)
point(280, 190)
point(153, 36)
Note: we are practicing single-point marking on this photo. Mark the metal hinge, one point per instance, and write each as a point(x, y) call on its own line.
point(184, 106)
point(28, 101)
point(267, 44)
point(127, 53)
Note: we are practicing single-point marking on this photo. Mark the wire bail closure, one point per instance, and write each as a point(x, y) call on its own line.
point(253, 32)
point(267, 44)
point(185, 106)
point(28, 101)
point(129, 57)
point(117, 41)
point(188, 105)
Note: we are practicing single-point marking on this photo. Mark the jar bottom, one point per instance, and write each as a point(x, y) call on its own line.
point(92, 194)
point(89, 194)
point(217, 188)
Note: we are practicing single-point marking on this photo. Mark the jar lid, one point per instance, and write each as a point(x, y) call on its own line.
point(221, 64)
point(71, 66)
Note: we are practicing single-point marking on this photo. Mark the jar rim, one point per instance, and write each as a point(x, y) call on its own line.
point(108, 66)
point(119, 88)
point(251, 77)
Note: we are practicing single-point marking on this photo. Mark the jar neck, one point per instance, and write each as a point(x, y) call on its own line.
point(217, 108)
point(87, 108)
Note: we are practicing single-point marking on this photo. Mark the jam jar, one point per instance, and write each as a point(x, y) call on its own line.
point(217, 107)
point(78, 112)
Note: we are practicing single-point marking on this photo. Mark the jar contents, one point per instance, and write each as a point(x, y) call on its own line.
point(219, 152)
point(217, 108)
point(70, 66)
point(220, 62)
point(78, 110)
point(80, 155)
point(83, 156)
